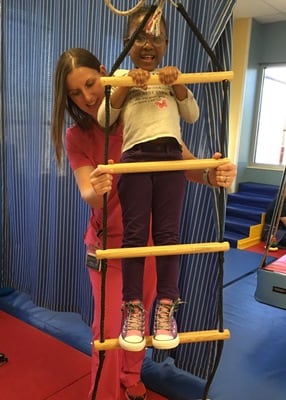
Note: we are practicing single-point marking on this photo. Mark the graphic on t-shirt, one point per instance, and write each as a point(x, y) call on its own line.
point(162, 103)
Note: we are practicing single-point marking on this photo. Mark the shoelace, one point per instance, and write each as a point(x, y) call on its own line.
point(135, 316)
point(165, 314)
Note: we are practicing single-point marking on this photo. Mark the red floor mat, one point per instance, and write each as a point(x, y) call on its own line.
point(150, 396)
point(259, 248)
point(40, 366)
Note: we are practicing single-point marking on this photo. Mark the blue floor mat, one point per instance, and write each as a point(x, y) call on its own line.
point(253, 364)
point(65, 326)
point(240, 263)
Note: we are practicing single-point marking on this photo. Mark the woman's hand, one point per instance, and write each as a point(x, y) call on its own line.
point(101, 181)
point(223, 175)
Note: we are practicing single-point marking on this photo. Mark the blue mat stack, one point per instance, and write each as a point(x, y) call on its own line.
point(245, 208)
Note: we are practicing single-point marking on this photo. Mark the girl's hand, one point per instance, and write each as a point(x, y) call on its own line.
point(168, 75)
point(140, 77)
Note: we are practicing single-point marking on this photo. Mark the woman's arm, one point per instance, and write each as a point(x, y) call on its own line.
point(102, 182)
point(92, 185)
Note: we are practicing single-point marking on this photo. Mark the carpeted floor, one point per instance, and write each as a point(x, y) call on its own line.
point(259, 248)
point(252, 367)
point(39, 366)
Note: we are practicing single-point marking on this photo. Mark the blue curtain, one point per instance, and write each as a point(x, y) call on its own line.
point(44, 218)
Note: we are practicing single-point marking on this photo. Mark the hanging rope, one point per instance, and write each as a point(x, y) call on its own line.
point(105, 198)
point(221, 203)
point(140, 4)
point(122, 13)
point(275, 217)
point(103, 262)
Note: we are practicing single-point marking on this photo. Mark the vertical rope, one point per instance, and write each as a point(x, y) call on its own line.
point(275, 217)
point(103, 262)
point(200, 37)
point(2, 157)
point(105, 198)
point(131, 41)
point(221, 207)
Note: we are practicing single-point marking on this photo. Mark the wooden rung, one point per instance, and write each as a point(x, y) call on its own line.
point(156, 166)
point(148, 251)
point(198, 77)
point(185, 337)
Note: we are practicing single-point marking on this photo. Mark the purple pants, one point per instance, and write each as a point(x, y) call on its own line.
point(158, 195)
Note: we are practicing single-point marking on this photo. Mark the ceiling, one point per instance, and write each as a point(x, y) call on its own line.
point(263, 11)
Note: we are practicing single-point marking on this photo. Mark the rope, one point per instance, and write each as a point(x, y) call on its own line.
point(103, 261)
point(128, 12)
point(275, 217)
point(135, 8)
point(104, 224)
point(221, 202)
point(200, 37)
point(132, 40)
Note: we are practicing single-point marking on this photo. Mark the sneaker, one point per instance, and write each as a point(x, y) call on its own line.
point(273, 247)
point(136, 392)
point(165, 327)
point(133, 326)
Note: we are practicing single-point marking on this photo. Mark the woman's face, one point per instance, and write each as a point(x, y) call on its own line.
point(85, 89)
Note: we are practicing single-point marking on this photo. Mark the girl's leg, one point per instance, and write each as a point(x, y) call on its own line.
point(135, 194)
point(168, 195)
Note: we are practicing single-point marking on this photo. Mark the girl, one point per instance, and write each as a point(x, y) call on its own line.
point(152, 132)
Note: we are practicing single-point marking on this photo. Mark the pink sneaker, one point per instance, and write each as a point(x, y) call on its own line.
point(133, 326)
point(165, 334)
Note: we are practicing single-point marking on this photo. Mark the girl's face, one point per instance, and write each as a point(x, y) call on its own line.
point(85, 90)
point(148, 50)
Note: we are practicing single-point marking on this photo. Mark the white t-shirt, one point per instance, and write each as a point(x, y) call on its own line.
point(150, 114)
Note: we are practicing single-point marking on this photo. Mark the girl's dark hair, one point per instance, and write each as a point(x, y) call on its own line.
point(69, 60)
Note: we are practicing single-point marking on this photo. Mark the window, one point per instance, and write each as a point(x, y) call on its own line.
point(270, 140)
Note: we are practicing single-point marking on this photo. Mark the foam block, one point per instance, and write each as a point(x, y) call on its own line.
point(271, 284)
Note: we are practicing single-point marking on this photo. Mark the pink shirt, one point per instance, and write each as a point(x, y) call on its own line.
point(86, 148)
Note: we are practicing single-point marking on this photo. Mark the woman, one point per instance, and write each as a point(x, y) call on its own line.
point(77, 90)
